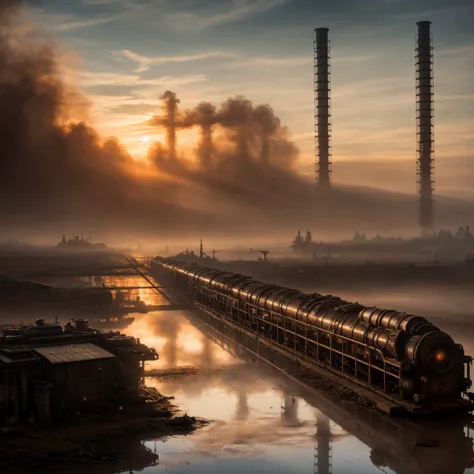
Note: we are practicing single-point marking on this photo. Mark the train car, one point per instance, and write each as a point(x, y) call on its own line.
point(402, 357)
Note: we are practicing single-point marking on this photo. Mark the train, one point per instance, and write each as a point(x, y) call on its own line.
point(401, 357)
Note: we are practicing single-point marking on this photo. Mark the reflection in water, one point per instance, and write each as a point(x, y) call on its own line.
point(264, 423)
point(290, 410)
point(323, 463)
point(207, 359)
point(242, 410)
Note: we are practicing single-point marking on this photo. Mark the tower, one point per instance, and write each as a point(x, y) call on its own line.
point(170, 106)
point(322, 126)
point(425, 119)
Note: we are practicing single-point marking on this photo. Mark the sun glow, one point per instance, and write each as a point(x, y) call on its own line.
point(145, 139)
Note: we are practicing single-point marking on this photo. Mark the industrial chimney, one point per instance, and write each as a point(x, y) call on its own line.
point(321, 107)
point(170, 105)
point(424, 116)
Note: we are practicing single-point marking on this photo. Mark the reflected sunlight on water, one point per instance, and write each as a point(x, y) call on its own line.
point(178, 343)
point(261, 423)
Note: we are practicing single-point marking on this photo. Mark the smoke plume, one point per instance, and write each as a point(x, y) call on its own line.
point(58, 174)
point(205, 116)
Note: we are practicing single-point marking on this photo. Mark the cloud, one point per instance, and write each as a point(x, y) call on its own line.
point(236, 11)
point(292, 61)
point(79, 24)
point(454, 97)
point(64, 22)
point(98, 2)
point(93, 79)
point(466, 50)
point(145, 62)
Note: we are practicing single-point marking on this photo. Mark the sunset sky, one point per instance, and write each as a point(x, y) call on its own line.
point(128, 52)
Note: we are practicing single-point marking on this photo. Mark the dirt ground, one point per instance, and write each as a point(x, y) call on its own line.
point(89, 440)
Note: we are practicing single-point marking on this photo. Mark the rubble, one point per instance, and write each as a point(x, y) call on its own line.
point(427, 443)
point(88, 441)
point(183, 422)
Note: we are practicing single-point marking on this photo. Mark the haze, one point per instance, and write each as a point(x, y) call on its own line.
point(99, 68)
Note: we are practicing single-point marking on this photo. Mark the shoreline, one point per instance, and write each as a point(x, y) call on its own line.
point(85, 441)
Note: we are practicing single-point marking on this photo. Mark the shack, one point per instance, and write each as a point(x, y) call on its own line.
point(80, 379)
point(51, 373)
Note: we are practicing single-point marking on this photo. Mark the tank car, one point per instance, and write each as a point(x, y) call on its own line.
point(402, 357)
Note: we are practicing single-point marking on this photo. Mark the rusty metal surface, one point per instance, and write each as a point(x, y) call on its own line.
point(368, 345)
point(73, 353)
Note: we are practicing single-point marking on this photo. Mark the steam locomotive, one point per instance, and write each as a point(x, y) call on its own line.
point(400, 356)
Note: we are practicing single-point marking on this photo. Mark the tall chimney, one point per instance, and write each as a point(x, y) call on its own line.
point(170, 105)
point(321, 107)
point(424, 116)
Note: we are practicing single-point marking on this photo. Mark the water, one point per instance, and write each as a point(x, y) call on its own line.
point(258, 428)
point(261, 422)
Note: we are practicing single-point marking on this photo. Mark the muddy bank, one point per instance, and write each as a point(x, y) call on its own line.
point(90, 439)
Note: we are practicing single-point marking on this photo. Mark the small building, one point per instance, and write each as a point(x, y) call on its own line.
point(79, 378)
point(51, 373)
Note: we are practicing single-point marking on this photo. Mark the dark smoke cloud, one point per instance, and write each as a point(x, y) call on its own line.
point(205, 116)
point(45, 162)
point(54, 168)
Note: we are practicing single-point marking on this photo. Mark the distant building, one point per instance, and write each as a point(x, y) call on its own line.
point(359, 238)
point(302, 245)
point(79, 244)
point(192, 257)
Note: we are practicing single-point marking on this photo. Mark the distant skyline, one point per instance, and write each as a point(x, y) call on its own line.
point(128, 52)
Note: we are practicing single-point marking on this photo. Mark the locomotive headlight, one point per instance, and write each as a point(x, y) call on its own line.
point(440, 356)
point(432, 352)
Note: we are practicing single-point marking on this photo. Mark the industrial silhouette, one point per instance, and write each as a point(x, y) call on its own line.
point(424, 117)
point(321, 107)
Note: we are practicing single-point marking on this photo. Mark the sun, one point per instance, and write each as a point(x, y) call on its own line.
point(145, 139)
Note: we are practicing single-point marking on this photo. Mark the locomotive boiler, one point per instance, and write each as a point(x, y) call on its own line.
point(401, 357)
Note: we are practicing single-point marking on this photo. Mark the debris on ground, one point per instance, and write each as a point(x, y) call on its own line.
point(427, 443)
point(172, 372)
point(183, 422)
point(327, 386)
point(85, 441)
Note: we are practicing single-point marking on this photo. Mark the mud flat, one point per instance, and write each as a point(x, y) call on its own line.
point(89, 439)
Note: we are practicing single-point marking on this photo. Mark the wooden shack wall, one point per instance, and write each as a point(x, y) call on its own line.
point(79, 387)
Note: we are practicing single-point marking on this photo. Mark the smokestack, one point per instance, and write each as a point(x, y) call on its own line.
point(321, 106)
point(424, 116)
point(171, 102)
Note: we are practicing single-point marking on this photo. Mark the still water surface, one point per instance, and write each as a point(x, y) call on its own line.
point(261, 422)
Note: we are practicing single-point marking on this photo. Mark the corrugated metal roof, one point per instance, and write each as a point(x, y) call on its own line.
point(73, 353)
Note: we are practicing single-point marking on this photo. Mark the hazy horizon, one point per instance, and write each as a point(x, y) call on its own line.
point(242, 159)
